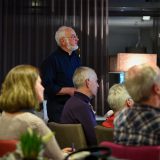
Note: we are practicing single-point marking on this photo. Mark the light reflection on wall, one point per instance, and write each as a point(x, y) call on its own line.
point(127, 60)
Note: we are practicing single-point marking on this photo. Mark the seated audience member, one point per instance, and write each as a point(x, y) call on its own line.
point(78, 108)
point(21, 92)
point(118, 99)
point(141, 123)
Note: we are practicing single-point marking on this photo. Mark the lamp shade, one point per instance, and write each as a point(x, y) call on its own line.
point(127, 60)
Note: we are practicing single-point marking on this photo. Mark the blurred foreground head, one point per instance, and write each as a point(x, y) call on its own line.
point(143, 83)
point(21, 89)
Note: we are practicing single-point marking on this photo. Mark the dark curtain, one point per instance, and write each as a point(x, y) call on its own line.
point(156, 38)
point(27, 30)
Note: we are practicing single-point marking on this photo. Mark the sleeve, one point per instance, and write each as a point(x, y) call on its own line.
point(48, 75)
point(52, 149)
point(87, 118)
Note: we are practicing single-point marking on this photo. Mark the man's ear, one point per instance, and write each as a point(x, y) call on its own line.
point(129, 103)
point(87, 83)
point(156, 89)
point(62, 42)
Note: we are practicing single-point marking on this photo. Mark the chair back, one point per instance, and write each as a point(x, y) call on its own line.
point(7, 146)
point(133, 152)
point(68, 134)
point(103, 134)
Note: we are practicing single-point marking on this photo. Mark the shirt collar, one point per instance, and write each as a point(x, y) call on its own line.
point(64, 52)
point(82, 96)
point(85, 99)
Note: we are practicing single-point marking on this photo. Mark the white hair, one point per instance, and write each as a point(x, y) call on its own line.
point(81, 74)
point(117, 97)
point(61, 33)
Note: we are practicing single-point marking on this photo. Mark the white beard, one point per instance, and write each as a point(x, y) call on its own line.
point(72, 48)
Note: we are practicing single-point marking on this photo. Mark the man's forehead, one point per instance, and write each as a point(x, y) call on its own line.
point(70, 31)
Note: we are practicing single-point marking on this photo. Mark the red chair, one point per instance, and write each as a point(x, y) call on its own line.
point(7, 146)
point(133, 152)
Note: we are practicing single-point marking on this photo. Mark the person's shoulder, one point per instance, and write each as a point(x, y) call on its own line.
point(73, 102)
point(52, 55)
point(56, 52)
point(49, 59)
point(30, 117)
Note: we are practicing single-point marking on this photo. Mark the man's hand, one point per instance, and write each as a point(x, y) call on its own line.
point(67, 90)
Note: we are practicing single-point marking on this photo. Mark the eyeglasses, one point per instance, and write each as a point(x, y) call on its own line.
point(73, 37)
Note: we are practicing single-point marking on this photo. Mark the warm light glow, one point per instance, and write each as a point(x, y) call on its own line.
point(127, 60)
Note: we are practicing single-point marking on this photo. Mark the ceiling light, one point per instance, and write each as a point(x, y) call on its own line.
point(146, 18)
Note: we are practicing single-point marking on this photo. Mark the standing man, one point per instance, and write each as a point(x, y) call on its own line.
point(57, 71)
point(78, 108)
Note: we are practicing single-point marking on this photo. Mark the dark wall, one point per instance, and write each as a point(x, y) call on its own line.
point(121, 38)
point(27, 30)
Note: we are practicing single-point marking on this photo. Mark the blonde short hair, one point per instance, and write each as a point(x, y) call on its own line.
point(18, 89)
point(117, 97)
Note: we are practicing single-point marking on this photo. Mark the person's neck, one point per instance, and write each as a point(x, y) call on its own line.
point(67, 50)
point(85, 92)
point(152, 101)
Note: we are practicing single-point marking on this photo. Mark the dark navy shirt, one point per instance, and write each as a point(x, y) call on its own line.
point(57, 71)
point(78, 110)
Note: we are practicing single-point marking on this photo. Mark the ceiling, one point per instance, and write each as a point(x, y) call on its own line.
point(124, 13)
point(134, 22)
point(134, 7)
